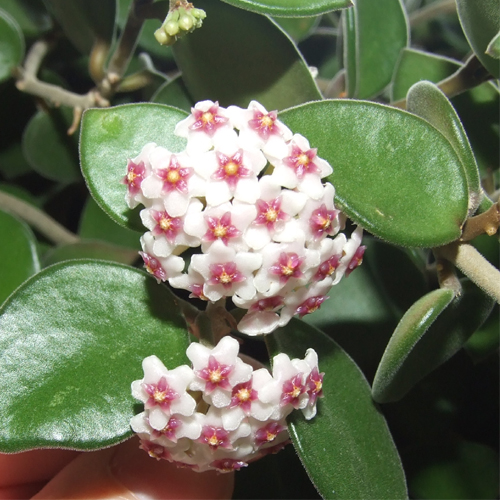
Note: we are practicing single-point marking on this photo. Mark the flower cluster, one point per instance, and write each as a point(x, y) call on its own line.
point(182, 19)
point(221, 413)
point(250, 194)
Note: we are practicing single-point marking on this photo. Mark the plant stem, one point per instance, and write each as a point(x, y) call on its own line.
point(447, 276)
point(466, 258)
point(27, 81)
point(38, 219)
point(487, 222)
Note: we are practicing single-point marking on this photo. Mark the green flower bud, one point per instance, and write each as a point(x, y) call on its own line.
point(171, 27)
point(161, 36)
point(186, 22)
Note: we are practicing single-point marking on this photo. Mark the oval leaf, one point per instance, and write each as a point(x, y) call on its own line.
point(481, 22)
point(292, 8)
point(11, 45)
point(393, 172)
point(427, 101)
point(238, 75)
point(375, 33)
point(72, 340)
point(18, 255)
point(111, 136)
point(346, 449)
point(48, 148)
point(84, 21)
point(429, 333)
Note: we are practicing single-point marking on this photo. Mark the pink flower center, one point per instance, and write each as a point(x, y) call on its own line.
point(269, 213)
point(268, 433)
point(327, 268)
point(208, 121)
point(221, 229)
point(160, 394)
point(268, 304)
point(225, 274)
point(175, 176)
point(231, 169)
point(356, 260)
point(310, 305)
point(134, 177)
point(215, 375)
point(288, 266)
point(302, 161)
point(153, 266)
point(166, 225)
point(321, 221)
point(264, 124)
point(243, 395)
point(215, 437)
point(292, 389)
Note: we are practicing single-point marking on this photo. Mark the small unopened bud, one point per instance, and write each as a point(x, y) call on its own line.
point(186, 22)
point(161, 36)
point(172, 28)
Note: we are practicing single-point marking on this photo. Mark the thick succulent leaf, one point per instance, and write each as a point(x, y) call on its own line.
point(18, 255)
point(493, 48)
point(477, 108)
point(48, 148)
point(347, 449)
point(298, 28)
point(11, 45)
point(430, 332)
point(72, 339)
point(109, 137)
point(174, 93)
point(427, 101)
point(97, 225)
point(393, 172)
point(481, 22)
point(374, 34)
point(291, 8)
point(237, 75)
point(30, 15)
point(465, 471)
point(90, 249)
point(84, 21)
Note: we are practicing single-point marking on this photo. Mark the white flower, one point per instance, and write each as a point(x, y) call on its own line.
point(218, 370)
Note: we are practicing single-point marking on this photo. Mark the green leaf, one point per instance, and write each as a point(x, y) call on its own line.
point(174, 93)
point(30, 15)
point(18, 255)
point(238, 75)
point(374, 34)
point(471, 472)
point(11, 45)
point(97, 225)
point(427, 101)
point(48, 148)
point(84, 21)
point(72, 339)
point(481, 22)
point(90, 250)
point(346, 449)
point(109, 137)
point(297, 28)
point(477, 108)
point(291, 8)
point(430, 332)
point(493, 48)
point(393, 172)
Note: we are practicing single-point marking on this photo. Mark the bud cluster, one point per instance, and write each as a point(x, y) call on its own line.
point(221, 413)
point(248, 194)
point(182, 19)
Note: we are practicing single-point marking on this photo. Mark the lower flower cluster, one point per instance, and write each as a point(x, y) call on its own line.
point(220, 414)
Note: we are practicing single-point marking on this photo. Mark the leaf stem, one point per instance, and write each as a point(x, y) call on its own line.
point(431, 11)
point(38, 219)
point(466, 258)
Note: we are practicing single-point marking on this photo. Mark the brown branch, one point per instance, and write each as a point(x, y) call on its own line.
point(39, 220)
point(487, 222)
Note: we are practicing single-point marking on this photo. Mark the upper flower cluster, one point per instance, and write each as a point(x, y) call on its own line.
point(222, 414)
point(249, 193)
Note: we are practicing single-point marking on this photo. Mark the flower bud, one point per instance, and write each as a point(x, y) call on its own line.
point(186, 22)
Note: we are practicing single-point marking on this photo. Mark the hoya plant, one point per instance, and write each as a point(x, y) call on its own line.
point(251, 239)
